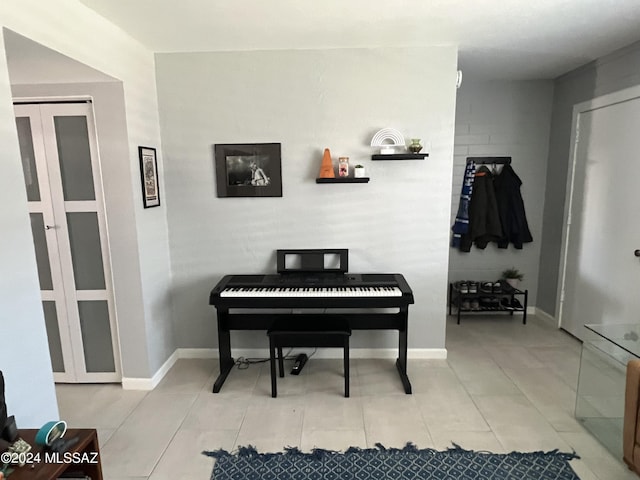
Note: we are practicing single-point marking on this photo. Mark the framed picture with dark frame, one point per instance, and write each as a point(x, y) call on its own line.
point(149, 177)
point(248, 170)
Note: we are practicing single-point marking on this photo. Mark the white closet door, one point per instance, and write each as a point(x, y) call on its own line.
point(601, 270)
point(64, 188)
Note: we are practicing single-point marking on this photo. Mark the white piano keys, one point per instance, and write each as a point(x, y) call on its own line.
point(306, 292)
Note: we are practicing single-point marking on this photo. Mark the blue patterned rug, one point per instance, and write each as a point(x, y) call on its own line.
point(391, 463)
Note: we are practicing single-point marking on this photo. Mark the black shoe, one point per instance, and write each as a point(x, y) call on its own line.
point(486, 287)
point(516, 304)
point(506, 304)
point(462, 287)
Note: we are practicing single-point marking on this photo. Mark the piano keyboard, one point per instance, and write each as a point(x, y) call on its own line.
point(272, 292)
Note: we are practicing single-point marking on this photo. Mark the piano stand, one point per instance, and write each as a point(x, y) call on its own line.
point(264, 321)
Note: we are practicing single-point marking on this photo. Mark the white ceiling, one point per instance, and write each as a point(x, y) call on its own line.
point(510, 39)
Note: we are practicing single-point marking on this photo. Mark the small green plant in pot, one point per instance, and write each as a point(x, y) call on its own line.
point(512, 276)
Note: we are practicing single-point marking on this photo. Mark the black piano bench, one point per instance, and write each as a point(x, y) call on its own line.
point(299, 331)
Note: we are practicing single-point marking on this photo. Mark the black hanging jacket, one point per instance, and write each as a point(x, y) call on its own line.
point(484, 219)
point(515, 228)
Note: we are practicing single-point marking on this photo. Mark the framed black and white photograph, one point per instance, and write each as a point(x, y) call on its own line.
point(248, 170)
point(149, 177)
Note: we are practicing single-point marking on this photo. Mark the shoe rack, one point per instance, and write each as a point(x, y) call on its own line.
point(471, 297)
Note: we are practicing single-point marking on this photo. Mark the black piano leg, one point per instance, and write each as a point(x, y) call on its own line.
point(404, 378)
point(401, 362)
point(225, 368)
point(224, 352)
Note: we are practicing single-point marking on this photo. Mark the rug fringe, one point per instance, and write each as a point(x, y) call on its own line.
point(319, 453)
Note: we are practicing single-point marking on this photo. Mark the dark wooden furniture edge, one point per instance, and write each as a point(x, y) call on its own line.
point(87, 443)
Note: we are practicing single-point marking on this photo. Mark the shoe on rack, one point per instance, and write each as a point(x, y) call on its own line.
point(462, 286)
point(473, 287)
point(505, 303)
point(466, 305)
point(486, 287)
point(497, 287)
point(495, 304)
point(475, 305)
point(516, 304)
point(485, 303)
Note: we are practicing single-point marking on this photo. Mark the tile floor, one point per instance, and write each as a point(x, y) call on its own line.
point(505, 386)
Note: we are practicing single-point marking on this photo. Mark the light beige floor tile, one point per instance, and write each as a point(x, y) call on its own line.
point(272, 426)
point(505, 386)
point(96, 406)
point(504, 411)
point(450, 410)
point(214, 412)
point(550, 395)
point(514, 356)
point(394, 420)
point(523, 439)
point(597, 458)
point(469, 440)
point(485, 379)
point(563, 360)
point(397, 411)
point(426, 378)
point(136, 447)
point(187, 376)
point(329, 411)
point(104, 434)
point(183, 458)
point(378, 377)
point(391, 437)
point(338, 440)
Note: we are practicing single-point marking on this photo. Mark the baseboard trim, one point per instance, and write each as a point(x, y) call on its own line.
point(545, 317)
point(324, 353)
point(151, 383)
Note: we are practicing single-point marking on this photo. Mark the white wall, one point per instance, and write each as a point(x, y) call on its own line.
point(504, 118)
point(309, 100)
point(77, 32)
point(24, 354)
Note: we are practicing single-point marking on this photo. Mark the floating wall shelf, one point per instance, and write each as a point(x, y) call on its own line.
point(343, 180)
point(400, 156)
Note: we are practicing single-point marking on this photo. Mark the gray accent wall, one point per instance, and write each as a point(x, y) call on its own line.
point(504, 118)
point(308, 100)
point(608, 74)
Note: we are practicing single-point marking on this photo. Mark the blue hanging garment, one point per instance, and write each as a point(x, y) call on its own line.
point(461, 224)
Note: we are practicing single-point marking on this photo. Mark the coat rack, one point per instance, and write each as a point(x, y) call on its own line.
point(489, 160)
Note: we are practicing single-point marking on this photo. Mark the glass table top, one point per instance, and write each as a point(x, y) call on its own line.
point(624, 335)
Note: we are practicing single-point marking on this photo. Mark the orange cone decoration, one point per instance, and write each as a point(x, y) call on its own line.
point(326, 169)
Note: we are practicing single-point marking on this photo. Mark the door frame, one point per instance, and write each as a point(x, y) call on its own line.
point(620, 96)
point(100, 205)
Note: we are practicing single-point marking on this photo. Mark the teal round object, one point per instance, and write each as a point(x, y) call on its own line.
point(51, 431)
